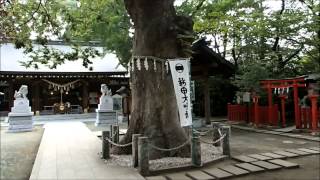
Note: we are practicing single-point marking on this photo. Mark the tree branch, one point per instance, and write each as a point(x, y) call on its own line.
point(198, 7)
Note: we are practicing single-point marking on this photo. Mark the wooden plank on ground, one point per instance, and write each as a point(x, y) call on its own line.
point(266, 165)
point(156, 178)
point(218, 173)
point(243, 158)
point(250, 167)
point(234, 170)
point(199, 175)
point(284, 163)
point(284, 153)
point(273, 155)
point(176, 176)
point(298, 152)
point(309, 150)
point(260, 157)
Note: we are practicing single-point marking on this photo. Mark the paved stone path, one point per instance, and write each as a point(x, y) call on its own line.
point(69, 150)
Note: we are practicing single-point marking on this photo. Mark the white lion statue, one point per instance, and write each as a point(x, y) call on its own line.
point(105, 91)
point(22, 93)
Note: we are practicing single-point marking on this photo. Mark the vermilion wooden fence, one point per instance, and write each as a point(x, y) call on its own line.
point(246, 114)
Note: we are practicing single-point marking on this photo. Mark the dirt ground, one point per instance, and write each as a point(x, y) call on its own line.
point(18, 153)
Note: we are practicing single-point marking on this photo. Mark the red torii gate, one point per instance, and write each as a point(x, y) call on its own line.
point(294, 83)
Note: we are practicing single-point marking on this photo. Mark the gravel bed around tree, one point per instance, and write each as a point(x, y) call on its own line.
point(208, 153)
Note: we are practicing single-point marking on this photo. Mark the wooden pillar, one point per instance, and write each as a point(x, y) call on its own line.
point(314, 113)
point(256, 110)
point(296, 106)
point(270, 104)
point(283, 110)
point(206, 93)
point(35, 97)
point(10, 94)
point(85, 94)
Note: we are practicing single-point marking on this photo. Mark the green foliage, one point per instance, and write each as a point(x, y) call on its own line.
point(74, 22)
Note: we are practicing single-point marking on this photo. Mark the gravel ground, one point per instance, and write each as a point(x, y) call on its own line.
point(18, 153)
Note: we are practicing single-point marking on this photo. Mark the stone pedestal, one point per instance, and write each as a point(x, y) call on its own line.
point(106, 117)
point(20, 117)
point(105, 113)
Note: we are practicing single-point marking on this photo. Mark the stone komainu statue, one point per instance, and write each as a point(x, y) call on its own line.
point(22, 93)
point(105, 91)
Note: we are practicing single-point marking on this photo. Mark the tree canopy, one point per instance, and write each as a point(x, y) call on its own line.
point(281, 37)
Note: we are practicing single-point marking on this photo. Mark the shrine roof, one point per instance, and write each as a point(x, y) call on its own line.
point(205, 58)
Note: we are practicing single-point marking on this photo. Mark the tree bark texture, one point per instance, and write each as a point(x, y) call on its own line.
point(154, 107)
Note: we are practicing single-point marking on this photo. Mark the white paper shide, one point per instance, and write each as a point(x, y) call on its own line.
point(181, 81)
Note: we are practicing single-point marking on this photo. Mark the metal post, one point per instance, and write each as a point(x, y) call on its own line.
point(196, 150)
point(143, 156)
point(135, 138)
point(226, 140)
point(105, 145)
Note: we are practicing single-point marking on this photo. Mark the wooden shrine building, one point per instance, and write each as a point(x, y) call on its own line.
point(80, 90)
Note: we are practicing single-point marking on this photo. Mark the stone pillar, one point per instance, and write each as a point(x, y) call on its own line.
point(226, 140)
point(143, 156)
point(135, 138)
point(196, 150)
point(105, 145)
point(215, 133)
point(115, 133)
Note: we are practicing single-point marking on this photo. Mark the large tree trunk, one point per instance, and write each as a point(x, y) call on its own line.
point(154, 108)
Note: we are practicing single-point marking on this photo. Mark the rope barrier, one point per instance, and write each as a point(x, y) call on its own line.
point(171, 149)
point(214, 142)
point(204, 132)
point(118, 145)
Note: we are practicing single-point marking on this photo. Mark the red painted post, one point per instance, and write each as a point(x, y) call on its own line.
point(270, 104)
point(314, 113)
point(256, 110)
point(283, 110)
point(296, 105)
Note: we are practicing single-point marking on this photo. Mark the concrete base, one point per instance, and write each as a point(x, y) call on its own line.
point(20, 123)
point(106, 117)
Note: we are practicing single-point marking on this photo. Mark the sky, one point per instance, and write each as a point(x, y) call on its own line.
point(10, 57)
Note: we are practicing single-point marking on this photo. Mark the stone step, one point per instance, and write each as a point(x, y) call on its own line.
point(260, 157)
point(284, 163)
point(309, 150)
point(266, 165)
point(287, 154)
point(273, 156)
point(243, 158)
point(250, 167)
point(199, 175)
point(177, 176)
point(218, 173)
point(234, 170)
point(298, 152)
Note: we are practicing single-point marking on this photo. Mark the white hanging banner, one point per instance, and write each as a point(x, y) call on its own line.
point(181, 82)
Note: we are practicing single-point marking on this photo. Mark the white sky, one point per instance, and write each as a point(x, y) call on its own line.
point(10, 57)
